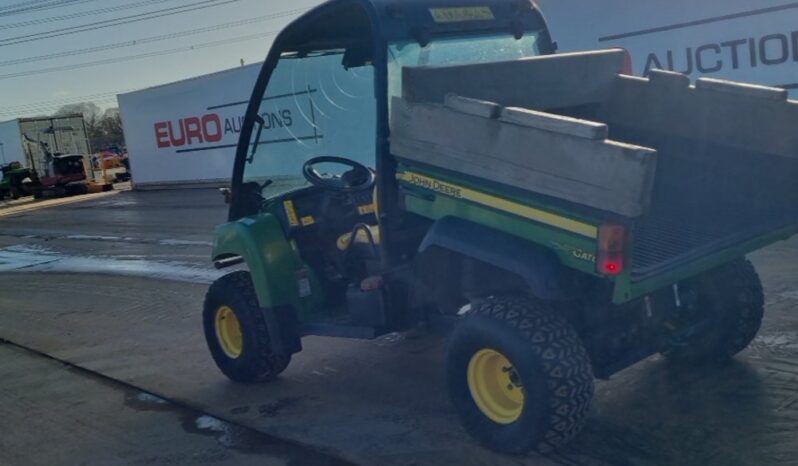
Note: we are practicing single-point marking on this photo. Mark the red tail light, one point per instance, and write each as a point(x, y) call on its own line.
point(611, 249)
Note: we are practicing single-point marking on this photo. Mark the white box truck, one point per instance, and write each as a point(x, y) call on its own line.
point(24, 140)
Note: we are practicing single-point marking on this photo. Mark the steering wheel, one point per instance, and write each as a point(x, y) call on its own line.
point(357, 178)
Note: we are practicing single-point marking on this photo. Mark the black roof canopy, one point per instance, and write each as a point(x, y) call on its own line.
point(339, 22)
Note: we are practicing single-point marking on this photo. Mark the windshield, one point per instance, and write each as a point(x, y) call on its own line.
point(456, 51)
point(313, 106)
point(316, 106)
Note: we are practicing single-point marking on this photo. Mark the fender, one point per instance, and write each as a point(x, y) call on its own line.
point(274, 265)
point(537, 266)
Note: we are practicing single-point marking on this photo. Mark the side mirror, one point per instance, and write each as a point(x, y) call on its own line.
point(227, 193)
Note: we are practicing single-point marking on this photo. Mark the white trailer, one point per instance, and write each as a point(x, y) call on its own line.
point(184, 133)
point(741, 40)
point(24, 140)
point(11, 146)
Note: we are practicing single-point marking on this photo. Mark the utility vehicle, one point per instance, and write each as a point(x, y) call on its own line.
point(559, 219)
point(16, 181)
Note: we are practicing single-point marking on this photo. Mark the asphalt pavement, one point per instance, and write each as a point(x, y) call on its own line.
point(56, 414)
point(113, 285)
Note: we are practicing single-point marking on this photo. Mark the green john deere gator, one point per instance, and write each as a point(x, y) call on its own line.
point(435, 164)
point(16, 180)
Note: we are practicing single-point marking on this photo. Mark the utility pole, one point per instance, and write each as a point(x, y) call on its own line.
point(3, 152)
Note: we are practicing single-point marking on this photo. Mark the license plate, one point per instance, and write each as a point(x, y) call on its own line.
point(456, 15)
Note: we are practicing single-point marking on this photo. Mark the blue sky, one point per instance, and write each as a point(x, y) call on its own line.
point(40, 94)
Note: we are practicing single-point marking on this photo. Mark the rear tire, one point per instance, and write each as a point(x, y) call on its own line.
point(544, 359)
point(732, 297)
point(237, 333)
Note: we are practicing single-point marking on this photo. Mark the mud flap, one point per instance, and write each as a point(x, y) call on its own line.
point(282, 328)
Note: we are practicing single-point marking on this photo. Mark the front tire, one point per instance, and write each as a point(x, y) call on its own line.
point(519, 376)
point(237, 333)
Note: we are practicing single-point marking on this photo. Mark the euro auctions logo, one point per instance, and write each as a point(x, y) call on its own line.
point(188, 131)
point(211, 128)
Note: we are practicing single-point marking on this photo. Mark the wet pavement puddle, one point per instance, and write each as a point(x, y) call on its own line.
point(109, 238)
point(232, 436)
point(27, 258)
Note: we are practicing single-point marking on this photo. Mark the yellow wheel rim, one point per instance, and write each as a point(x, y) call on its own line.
point(228, 332)
point(495, 386)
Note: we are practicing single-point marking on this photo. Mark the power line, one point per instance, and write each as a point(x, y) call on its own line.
point(152, 39)
point(38, 5)
point(98, 11)
point(23, 4)
point(115, 22)
point(110, 103)
point(63, 101)
point(105, 102)
point(51, 108)
point(39, 107)
point(42, 108)
point(136, 57)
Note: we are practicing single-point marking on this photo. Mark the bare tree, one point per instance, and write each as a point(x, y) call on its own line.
point(104, 128)
point(91, 112)
point(111, 128)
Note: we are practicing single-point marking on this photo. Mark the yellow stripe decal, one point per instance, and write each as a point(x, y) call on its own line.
point(366, 209)
point(459, 192)
point(290, 212)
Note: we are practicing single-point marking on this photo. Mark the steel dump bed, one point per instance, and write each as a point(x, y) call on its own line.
point(694, 170)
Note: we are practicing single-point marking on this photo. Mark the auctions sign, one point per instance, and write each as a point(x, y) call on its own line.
point(199, 117)
point(211, 127)
point(203, 118)
point(739, 40)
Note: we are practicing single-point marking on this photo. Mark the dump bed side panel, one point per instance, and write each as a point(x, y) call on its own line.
point(757, 119)
point(534, 151)
point(544, 82)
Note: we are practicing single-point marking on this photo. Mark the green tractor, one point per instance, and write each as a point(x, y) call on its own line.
point(434, 164)
point(17, 181)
